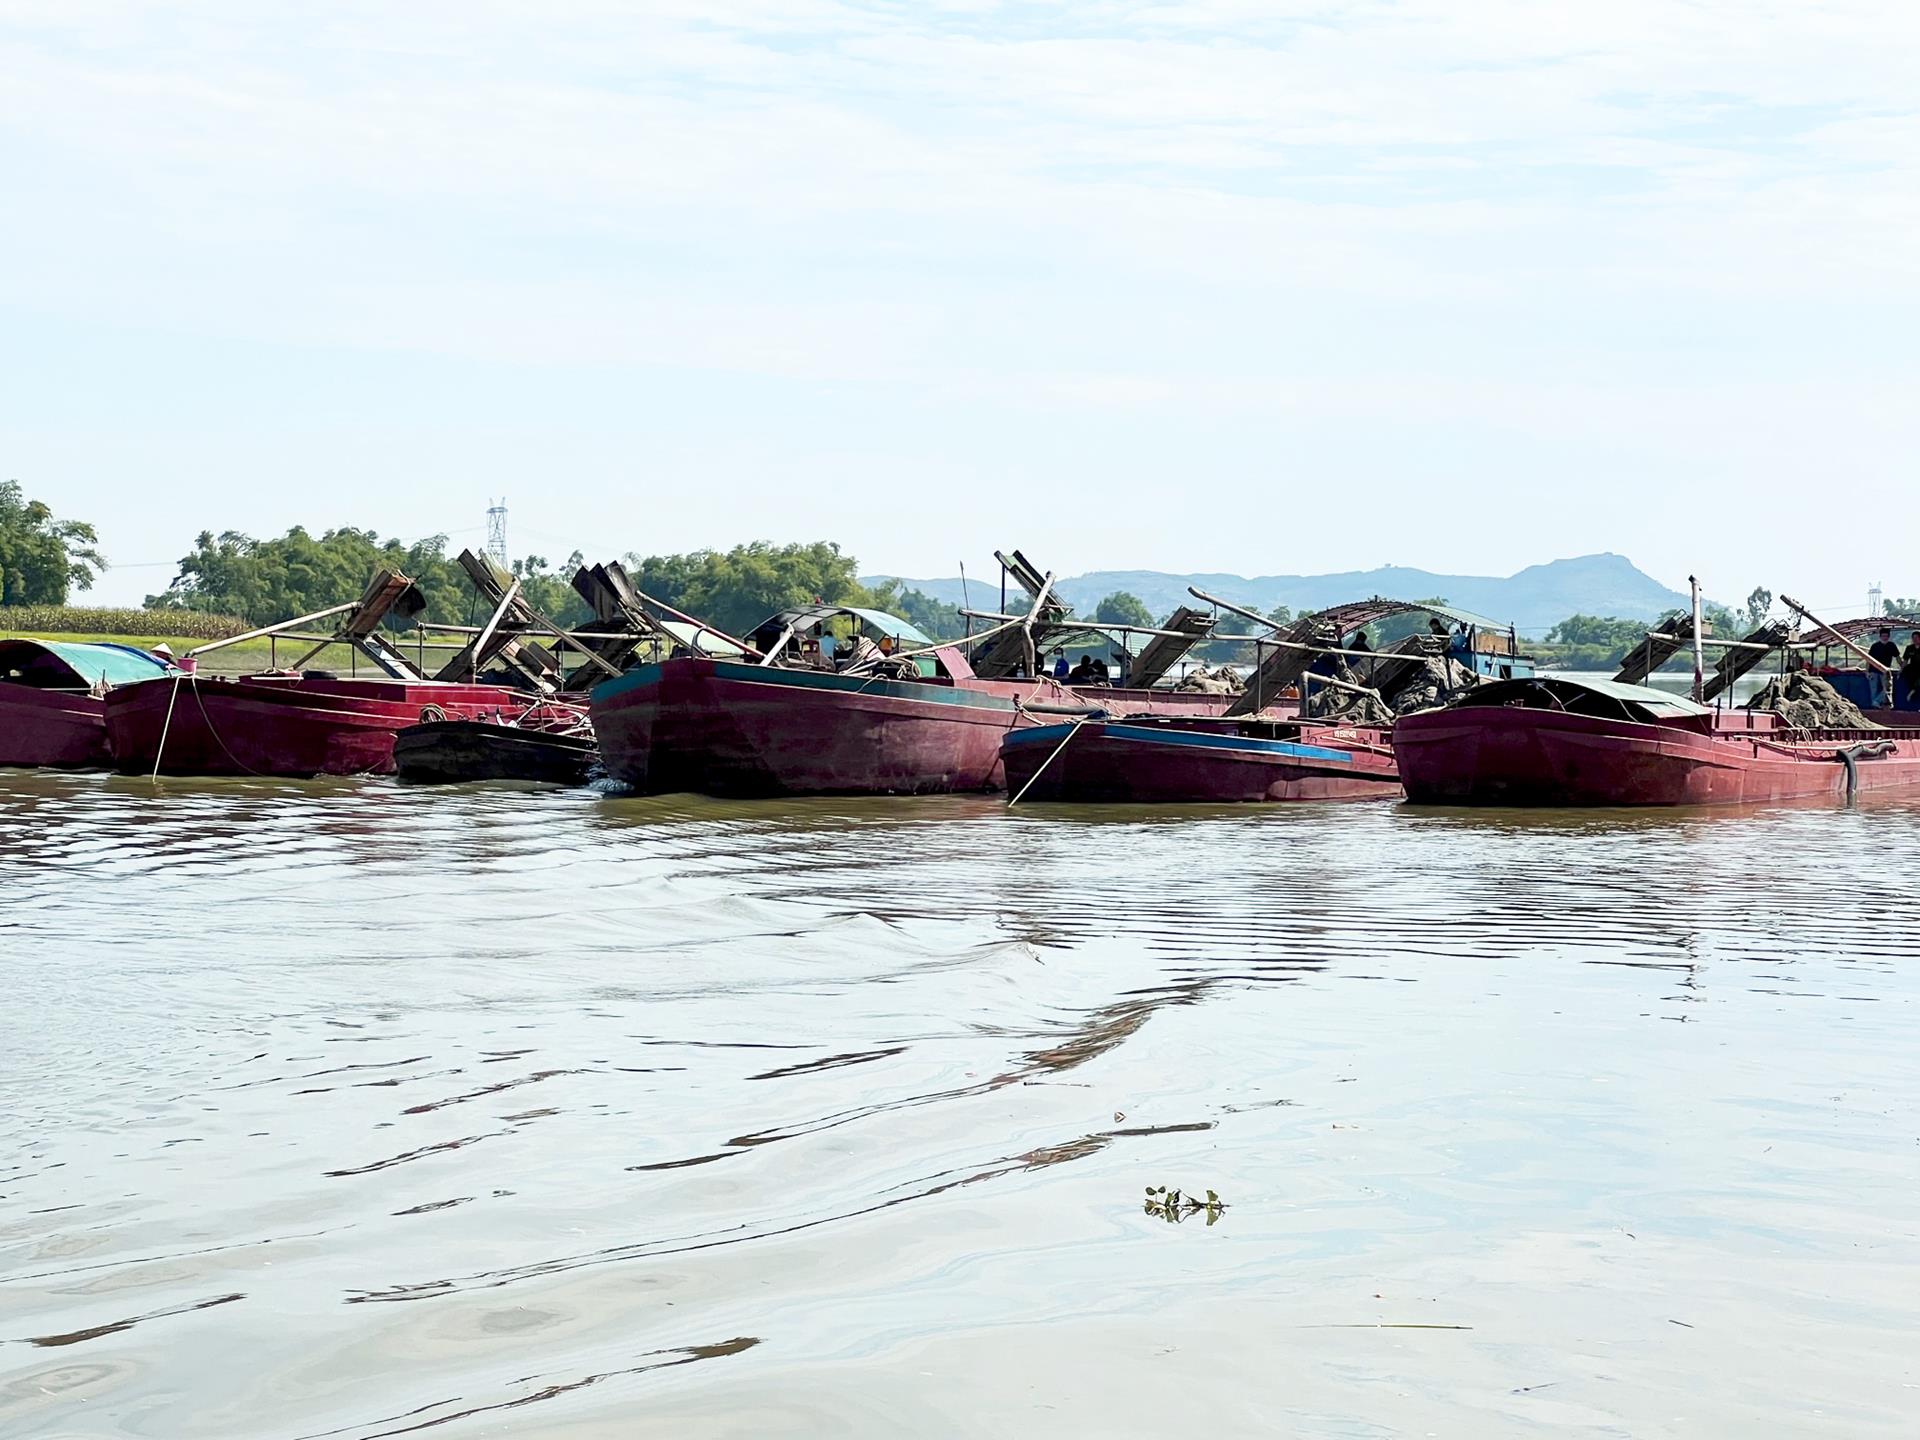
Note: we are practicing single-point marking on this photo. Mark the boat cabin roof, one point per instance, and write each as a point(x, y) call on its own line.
point(1862, 630)
point(1457, 616)
point(1585, 697)
point(810, 617)
point(701, 641)
point(59, 663)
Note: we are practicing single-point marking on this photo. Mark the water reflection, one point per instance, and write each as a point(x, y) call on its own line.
point(345, 1108)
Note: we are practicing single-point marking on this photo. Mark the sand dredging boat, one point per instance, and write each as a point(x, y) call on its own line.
point(508, 704)
point(839, 700)
point(553, 745)
point(1571, 742)
point(1327, 737)
point(53, 708)
point(302, 722)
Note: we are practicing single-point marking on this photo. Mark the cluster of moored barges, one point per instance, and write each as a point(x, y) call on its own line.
point(834, 700)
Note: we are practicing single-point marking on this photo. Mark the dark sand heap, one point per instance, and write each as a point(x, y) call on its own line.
point(1430, 685)
point(1203, 681)
point(1807, 702)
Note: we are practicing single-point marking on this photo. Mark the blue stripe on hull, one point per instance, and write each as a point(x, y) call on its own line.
point(1194, 739)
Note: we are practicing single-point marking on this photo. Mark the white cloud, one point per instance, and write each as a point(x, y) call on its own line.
point(1647, 217)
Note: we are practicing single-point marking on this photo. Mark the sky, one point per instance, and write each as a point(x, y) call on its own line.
point(1263, 287)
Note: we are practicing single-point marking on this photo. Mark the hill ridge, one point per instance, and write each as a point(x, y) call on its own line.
point(1534, 598)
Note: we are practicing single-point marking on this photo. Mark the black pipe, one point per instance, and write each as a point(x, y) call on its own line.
point(1851, 756)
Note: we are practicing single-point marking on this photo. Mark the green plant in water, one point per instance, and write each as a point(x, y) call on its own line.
point(1173, 1206)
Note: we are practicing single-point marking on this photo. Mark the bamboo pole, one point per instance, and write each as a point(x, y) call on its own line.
point(1074, 622)
point(566, 638)
point(1818, 623)
point(1737, 644)
point(1241, 610)
point(1033, 657)
point(486, 631)
point(1336, 650)
point(687, 619)
point(275, 629)
point(1699, 654)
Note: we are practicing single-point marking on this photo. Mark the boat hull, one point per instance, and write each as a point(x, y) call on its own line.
point(51, 728)
point(271, 726)
point(722, 728)
point(452, 751)
point(1114, 762)
point(1496, 755)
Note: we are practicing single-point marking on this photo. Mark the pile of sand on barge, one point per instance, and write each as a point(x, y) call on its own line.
point(1806, 702)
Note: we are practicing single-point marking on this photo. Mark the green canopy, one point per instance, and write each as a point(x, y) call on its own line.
point(119, 664)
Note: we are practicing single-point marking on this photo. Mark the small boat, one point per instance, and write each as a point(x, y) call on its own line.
point(551, 743)
point(1565, 742)
point(52, 710)
point(1159, 760)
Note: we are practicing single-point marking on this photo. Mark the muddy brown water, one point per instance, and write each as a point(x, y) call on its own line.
point(351, 1110)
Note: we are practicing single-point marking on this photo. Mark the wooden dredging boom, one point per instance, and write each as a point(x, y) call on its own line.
point(1674, 634)
point(1655, 649)
point(389, 590)
point(1298, 644)
point(504, 639)
point(1012, 651)
point(1744, 655)
point(1165, 651)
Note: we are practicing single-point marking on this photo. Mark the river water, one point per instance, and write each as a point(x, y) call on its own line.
point(346, 1109)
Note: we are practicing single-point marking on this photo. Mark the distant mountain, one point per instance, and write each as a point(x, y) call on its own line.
point(1535, 599)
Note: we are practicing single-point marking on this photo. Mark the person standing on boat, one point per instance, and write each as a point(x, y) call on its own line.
point(1359, 642)
point(163, 652)
point(1910, 669)
point(1888, 654)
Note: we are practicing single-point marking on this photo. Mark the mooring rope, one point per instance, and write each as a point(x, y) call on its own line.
point(207, 720)
point(166, 726)
point(1072, 731)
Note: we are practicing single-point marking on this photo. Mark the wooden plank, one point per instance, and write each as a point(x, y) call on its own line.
point(1665, 641)
point(1163, 652)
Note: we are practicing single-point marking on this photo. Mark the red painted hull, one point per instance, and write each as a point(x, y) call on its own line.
point(1196, 762)
point(723, 728)
point(1498, 755)
point(279, 727)
point(51, 727)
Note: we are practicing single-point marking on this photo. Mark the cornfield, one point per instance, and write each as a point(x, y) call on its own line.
point(91, 620)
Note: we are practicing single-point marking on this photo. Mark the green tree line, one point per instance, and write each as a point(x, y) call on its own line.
point(43, 559)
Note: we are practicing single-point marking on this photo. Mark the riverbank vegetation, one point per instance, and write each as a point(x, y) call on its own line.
point(43, 559)
point(230, 581)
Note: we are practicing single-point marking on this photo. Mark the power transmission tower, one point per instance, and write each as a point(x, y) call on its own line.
point(497, 530)
point(1874, 594)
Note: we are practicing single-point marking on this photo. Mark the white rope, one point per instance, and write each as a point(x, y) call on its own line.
point(168, 725)
point(1071, 732)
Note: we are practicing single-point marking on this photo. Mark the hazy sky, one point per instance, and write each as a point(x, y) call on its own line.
point(1261, 286)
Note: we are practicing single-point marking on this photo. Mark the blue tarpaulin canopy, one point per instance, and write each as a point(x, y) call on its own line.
point(118, 664)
